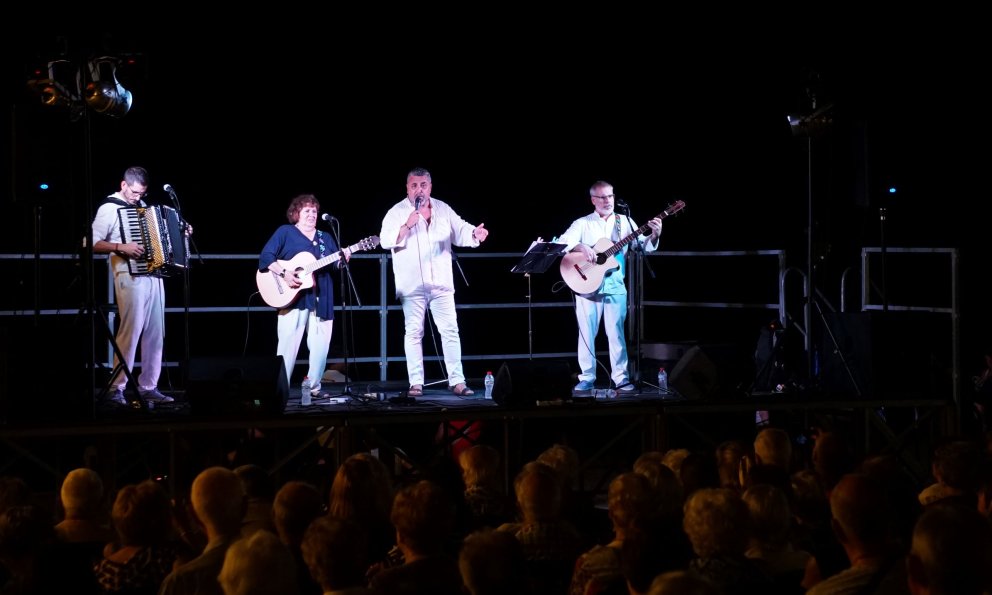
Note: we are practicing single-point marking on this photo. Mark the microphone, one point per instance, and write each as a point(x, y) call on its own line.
point(168, 188)
point(621, 202)
point(416, 204)
point(328, 217)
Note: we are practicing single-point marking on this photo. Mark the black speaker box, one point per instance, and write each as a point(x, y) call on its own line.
point(237, 385)
point(708, 372)
point(522, 383)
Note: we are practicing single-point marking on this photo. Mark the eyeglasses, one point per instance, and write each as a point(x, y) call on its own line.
point(604, 197)
point(138, 194)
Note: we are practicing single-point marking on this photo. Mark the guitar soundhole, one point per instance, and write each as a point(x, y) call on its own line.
point(600, 258)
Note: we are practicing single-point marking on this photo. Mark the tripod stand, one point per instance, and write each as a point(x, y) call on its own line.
point(636, 273)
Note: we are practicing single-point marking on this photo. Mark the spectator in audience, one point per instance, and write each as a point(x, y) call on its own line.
point(649, 550)
point(85, 525)
point(32, 556)
point(550, 543)
point(665, 483)
point(145, 550)
point(490, 563)
point(728, 463)
point(482, 476)
point(218, 499)
point(335, 552)
point(682, 582)
point(296, 505)
point(362, 492)
point(423, 516)
point(771, 538)
point(862, 521)
point(832, 458)
point(951, 552)
point(719, 528)
point(259, 564)
point(260, 489)
point(956, 467)
point(630, 498)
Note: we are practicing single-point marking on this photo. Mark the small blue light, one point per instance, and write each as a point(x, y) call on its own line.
point(892, 189)
point(43, 186)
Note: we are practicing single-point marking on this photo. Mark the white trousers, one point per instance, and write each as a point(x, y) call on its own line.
point(442, 305)
point(292, 323)
point(612, 310)
point(141, 306)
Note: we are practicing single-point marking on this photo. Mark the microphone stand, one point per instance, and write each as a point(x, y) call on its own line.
point(636, 284)
point(186, 286)
point(345, 274)
point(454, 257)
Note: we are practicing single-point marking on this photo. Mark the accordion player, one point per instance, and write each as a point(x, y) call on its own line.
point(162, 234)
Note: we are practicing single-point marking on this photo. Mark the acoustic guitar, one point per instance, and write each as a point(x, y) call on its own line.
point(584, 277)
point(276, 291)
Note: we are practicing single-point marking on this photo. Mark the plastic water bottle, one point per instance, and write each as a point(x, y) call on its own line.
point(305, 391)
point(490, 381)
point(662, 381)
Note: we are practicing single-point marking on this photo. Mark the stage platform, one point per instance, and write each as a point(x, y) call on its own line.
point(171, 441)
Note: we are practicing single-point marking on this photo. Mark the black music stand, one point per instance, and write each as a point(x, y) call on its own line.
point(538, 259)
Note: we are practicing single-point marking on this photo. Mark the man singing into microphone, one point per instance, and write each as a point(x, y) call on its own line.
point(420, 231)
point(313, 309)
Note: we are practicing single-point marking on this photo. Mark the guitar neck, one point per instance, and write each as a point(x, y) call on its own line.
point(323, 262)
point(617, 247)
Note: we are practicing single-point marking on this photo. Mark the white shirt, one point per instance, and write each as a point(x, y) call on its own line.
point(422, 260)
point(592, 228)
point(107, 227)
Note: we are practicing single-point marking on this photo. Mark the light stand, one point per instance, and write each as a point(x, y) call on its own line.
point(187, 241)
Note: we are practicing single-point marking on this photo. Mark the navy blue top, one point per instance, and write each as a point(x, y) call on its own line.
point(287, 242)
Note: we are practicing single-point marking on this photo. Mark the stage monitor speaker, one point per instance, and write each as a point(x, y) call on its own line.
point(708, 372)
point(524, 383)
point(254, 385)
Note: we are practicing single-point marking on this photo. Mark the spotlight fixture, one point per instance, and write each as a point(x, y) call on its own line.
point(61, 88)
point(812, 125)
point(104, 94)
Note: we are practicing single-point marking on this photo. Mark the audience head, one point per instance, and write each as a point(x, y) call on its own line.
point(362, 491)
point(630, 499)
point(717, 522)
point(682, 582)
point(728, 461)
point(14, 491)
point(666, 485)
point(142, 514)
point(82, 493)
point(956, 464)
point(491, 562)
point(861, 511)
point(259, 564)
point(218, 500)
point(538, 492)
point(257, 482)
point(773, 447)
point(951, 552)
point(565, 461)
point(336, 553)
point(423, 515)
point(673, 459)
point(832, 458)
point(296, 505)
point(480, 466)
point(770, 513)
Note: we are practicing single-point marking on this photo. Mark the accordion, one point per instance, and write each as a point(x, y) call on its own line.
point(162, 234)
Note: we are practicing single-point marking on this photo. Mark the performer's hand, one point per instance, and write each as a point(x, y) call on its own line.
point(480, 233)
point(292, 280)
point(655, 225)
point(189, 230)
point(347, 254)
point(588, 252)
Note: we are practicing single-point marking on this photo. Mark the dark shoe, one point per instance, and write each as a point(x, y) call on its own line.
point(118, 397)
point(153, 396)
point(462, 390)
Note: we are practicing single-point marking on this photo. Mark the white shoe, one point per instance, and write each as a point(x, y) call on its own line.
point(153, 396)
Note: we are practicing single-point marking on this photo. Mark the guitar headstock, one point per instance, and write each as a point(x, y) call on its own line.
point(673, 208)
point(367, 243)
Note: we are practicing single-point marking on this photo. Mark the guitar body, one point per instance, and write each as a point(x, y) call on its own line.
point(274, 289)
point(278, 294)
point(584, 277)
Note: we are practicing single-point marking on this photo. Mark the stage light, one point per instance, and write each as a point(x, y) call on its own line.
point(812, 125)
point(104, 94)
point(60, 88)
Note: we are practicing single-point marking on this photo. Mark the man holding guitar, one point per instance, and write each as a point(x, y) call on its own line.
point(312, 310)
point(596, 275)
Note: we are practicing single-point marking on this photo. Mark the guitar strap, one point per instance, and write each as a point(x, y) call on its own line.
point(616, 228)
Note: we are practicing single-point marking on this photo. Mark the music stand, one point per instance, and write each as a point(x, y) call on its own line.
point(538, 259)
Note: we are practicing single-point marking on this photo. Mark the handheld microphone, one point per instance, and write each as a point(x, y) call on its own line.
point(168, 188)
point(328, 217)
point(416, 204)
